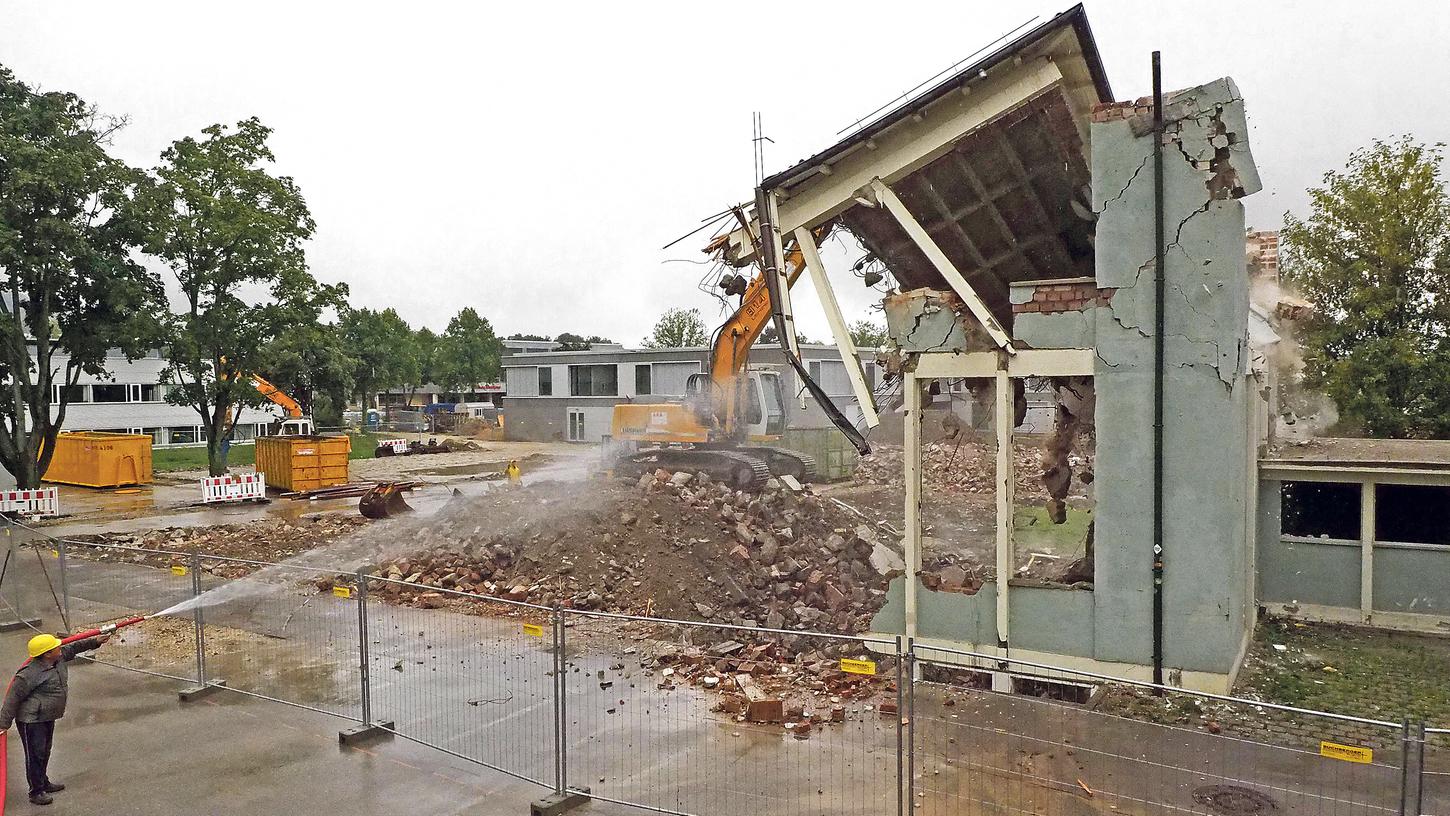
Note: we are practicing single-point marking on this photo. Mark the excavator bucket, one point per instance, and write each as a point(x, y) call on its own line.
point(383, 501)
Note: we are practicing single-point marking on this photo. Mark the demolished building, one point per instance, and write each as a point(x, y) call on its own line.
point(1013, 205)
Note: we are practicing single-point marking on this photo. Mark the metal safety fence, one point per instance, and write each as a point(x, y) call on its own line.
point(685, 717)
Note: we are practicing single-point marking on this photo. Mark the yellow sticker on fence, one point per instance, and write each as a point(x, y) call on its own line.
point(342, 591)
point(533, 630)
point(55, 553)
point(858, 666)
point(177, 569)
point(1347, 753)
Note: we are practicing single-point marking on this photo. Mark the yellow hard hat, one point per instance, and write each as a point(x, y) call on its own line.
point(40, 644)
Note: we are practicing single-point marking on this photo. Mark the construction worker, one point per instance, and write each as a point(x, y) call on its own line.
point(513, 473)
point(35, 700)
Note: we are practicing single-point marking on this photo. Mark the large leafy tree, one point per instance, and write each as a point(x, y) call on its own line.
point(568, 341)
point(425, 346)
point(867, 334)
point(1374, 257)
point(312, 365)
point(678, 328)
point(385, 349)
point(71, 290)
point(232, 233)
point(468, 352)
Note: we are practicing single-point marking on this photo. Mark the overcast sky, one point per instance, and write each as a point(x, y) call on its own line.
point(531, 159)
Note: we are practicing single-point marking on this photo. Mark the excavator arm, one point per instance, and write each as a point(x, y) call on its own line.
point(273, 393)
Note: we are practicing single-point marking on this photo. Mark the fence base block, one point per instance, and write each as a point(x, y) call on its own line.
point(361, 733)
point(17, 625)
point(557, 803)
point(186, 695)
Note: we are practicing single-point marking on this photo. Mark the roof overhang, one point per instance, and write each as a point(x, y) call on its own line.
point(992, 162)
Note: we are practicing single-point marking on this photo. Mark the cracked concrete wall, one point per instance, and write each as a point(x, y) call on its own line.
point(1207, 166)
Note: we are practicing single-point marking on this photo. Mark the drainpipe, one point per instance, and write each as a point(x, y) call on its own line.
point(1158, 328)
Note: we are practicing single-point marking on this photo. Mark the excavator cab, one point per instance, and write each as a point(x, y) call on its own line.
point(764, 413)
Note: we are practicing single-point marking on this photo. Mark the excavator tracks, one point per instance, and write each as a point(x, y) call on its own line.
point(739, 469)
point(786, 462)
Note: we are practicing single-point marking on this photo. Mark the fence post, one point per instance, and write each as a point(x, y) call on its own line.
point(900, 746)
point(1412, 767)
point(911, 722)
point(558, 620)
point(368, 727)
point(64, 584)
point(198, 619)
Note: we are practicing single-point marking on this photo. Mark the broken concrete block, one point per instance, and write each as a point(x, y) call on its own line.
point(759, 707)
point(885, 561)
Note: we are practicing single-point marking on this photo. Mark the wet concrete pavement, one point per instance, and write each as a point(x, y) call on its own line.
point(481, 687)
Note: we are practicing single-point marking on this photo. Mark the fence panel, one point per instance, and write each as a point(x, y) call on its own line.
point(104, 583)
point(475, 679)
point(30, 582)
point(271, 631)
point(981, 750)
point(658, 717)
point(1435, 788)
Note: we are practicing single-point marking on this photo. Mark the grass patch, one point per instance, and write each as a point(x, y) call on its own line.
point(167, 460)
point(1033, 530)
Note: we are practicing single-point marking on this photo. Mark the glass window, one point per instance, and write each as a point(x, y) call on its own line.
point(74, 393)
point(1413, 514)
point(593, 380)
point(158, 435)
point(642, 380)
point(109, 392)
point(182, 434)
point(546, 381)
point(815, 369)
point(152, 392)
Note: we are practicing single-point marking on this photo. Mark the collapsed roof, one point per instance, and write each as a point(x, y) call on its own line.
point(992, 162)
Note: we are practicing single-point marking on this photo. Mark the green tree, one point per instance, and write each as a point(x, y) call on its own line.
point(528, 337)
point(311, 364)
point(425, 346)
point(678, 328)
point(867, 334)
point(71, 290)
point(770, 337)
point(468, 353)
point(385, 349)
point(232, 233)
point(569, 341)
point(1374, 257)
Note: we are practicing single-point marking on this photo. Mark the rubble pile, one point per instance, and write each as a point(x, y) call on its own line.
point(269, 540)
point(670, 545)
point(968, 466)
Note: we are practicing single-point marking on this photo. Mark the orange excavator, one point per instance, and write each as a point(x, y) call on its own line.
point(730, 414)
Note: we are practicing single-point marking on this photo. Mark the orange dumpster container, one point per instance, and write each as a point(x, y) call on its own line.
point(303, 462)
point(96, 459)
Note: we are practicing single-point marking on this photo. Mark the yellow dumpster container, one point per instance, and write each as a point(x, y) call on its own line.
point(95, 459)
point(303, 462)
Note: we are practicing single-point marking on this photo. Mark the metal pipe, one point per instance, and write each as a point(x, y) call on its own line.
point(558, 697)
point(911, 722)
point(198, 621)
point(362, 646)
point(64, 584)
point(900, 746)
point(563, 708)
point(1160, 274)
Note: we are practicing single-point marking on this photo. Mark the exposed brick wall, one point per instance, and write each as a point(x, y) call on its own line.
point(1064, 297)
point(1262, 248)
point(1110, 111)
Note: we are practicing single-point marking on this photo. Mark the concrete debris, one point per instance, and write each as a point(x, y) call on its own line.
point(268, 540)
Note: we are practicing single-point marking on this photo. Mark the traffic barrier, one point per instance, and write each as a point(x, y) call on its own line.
point(398, 445)
point(40, 501)
point(233, 488)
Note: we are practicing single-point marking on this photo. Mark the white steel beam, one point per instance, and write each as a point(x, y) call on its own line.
point(1025, 363)
point(1366, 550)
point(1003, 415)
point(904, 148)
point(842, 334)
point(943, 265)
point(911, 543)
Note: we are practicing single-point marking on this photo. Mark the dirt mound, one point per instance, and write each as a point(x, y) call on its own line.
point(269, 540)
point(671, 545)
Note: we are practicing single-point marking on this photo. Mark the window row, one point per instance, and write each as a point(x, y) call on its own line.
point(110, 392)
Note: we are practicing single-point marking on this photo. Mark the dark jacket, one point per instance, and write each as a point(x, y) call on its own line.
point(38, 692)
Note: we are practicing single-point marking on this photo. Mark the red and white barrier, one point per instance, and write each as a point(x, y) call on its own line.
point(40, 501)
point(233, 488)
point(399, 446)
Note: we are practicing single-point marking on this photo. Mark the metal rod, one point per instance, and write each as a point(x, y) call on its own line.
point(900, 746)
point(198, 621)
point(362, 646)
point(64, 584)
point(563, 708)
point(911, 721)
point(558, 698)
point(1412, 767)
point(1159, 324)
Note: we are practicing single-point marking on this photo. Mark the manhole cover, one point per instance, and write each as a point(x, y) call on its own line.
point(1232, 800)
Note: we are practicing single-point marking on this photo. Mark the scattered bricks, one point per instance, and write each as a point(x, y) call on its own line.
point(728, 647)
point(838, 714)
point(888, 709)
point(740, 553)
point(517, 592)
point(759, 706)
point(802, 730)
point(835, 598)
point(430, 600)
